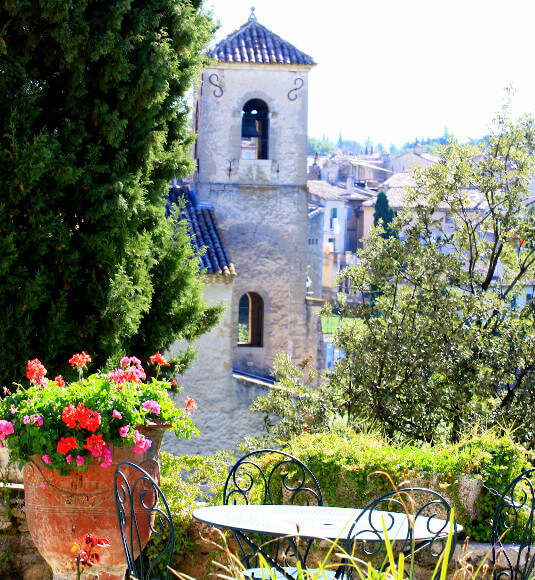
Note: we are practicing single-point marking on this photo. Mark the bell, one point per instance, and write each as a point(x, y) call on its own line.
point(248, 128)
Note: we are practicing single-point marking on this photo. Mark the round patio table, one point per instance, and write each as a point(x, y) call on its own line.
point(319, 522)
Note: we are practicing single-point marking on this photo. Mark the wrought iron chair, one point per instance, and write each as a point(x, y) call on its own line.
point(421, 529)
point(273, 477)
point(513, 552)
point(142, 510)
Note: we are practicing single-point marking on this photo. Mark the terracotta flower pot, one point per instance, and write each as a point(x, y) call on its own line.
point(60, 509)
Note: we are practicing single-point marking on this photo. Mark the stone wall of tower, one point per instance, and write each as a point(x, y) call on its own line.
point(222, 414)
point(284, 90)
point(261, 205)
point(265, 230)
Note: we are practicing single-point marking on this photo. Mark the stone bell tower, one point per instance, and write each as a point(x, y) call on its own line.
point(251, 120)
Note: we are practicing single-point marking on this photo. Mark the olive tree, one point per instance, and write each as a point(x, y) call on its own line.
point(449, 338)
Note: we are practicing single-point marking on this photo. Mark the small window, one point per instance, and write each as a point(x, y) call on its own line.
point(334, 215)
point(254, 130)
point(250, 319)
point(329, 355)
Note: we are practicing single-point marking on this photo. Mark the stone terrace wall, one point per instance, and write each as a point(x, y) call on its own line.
point(19, 558)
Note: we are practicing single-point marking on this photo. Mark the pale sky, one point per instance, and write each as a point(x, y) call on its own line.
point(397, 70)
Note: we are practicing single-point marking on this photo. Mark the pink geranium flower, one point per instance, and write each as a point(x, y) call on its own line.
point(151, 406)
point(6, 428)
point(142, 444)
point(116, 414)
point(33, 419)
point(105, 459)
point(123, 431)
point(46, 459)
point(79, 460)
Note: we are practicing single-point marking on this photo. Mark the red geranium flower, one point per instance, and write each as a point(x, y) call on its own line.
point(59, 381)
point(35, 371)
point(87, 418)
point(80, 360)
point(80, 416)
point(65, 444)
point(158, 359)
point(69, 417)
point(95, 444)
point(85, 546)
point(191, 405)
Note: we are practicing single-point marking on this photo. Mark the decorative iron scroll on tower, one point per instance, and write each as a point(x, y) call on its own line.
point(292, 93)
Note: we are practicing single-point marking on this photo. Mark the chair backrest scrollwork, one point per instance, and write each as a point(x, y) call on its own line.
point(142, 511)
point(417, 522)
point(271, 477)
point(513, 552)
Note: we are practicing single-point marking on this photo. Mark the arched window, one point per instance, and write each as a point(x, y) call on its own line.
point(250, 319)
point(254, 130)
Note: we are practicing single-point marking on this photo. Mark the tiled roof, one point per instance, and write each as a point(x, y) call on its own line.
point(254, 43)
point(324, 190)
point(313, 213)
point(397, 199)
point(430, 157)
point(203, 228)
point(338, 158)
point(400, 179)
point(427, 156)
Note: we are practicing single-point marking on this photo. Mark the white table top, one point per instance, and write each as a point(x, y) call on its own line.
point(317, 521)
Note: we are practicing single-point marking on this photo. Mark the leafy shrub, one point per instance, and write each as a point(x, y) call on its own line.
point(186, 481)
point(350, 468)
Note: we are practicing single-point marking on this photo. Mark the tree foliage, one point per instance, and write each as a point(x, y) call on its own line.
point(441, 346)
point(322, 147)
point(293, 406)
point(93, 126)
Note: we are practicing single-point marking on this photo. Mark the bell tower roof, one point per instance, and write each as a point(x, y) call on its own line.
point(254, 43)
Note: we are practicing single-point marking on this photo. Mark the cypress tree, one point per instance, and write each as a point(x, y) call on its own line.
point(384, 212)
point(93, 127)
